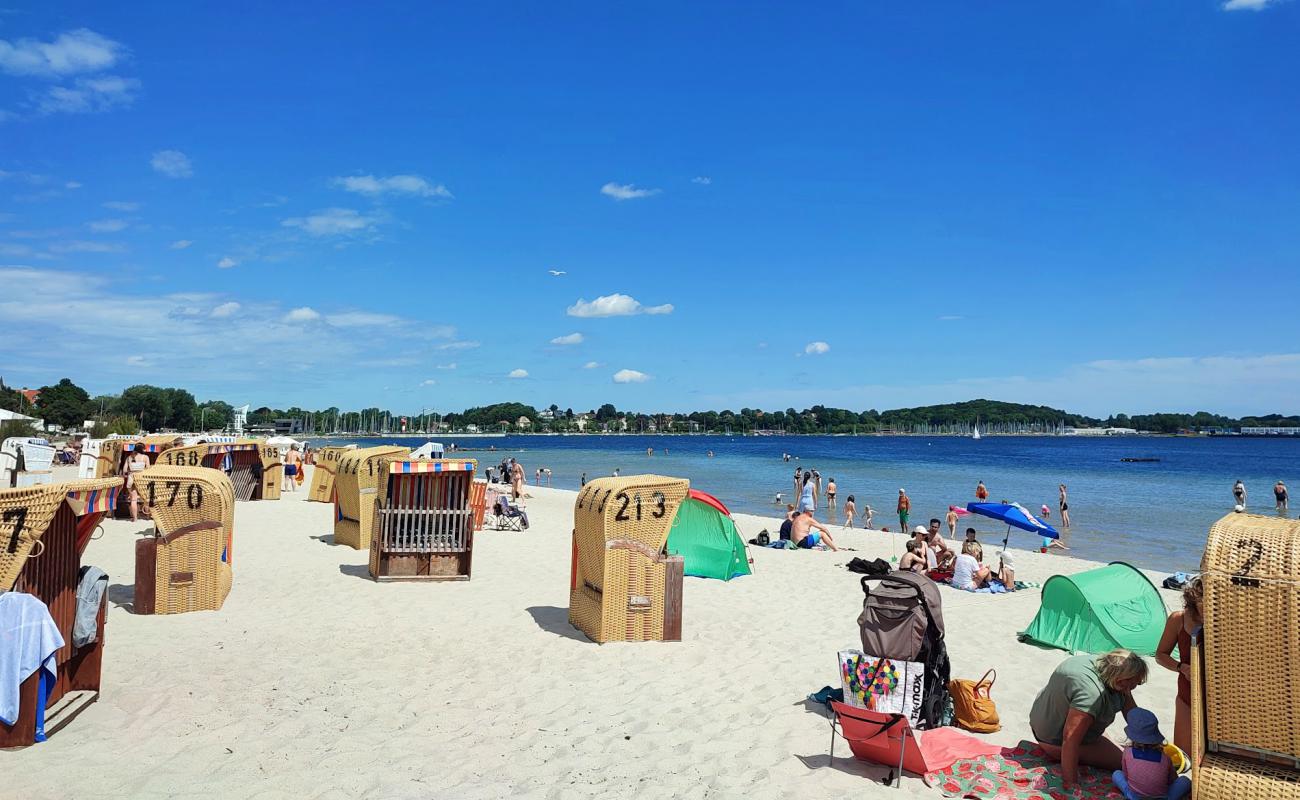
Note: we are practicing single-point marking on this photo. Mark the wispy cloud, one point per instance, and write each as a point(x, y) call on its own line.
point(626, 191)
point(454, 346)
point(452, 365)
point(227, 262)
point(428, 382)
point(180, 244)
point(518, 373)
point(88, 95)
point(333, 222)
point(702, 180)
point(615, 305)
point(630, 376)
point(572, 338)
point(80, 246)
point(304, 314)
point(950, 317)
point(592, 365)
point(121, 205)
point(70, 53)
point(225, 310)
point(108, 225)
point(373, 186)
point(1248, 5)
point(172, 163)
point(816, 348)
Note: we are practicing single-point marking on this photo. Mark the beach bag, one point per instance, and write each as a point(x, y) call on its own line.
point(885, 685)
point(973, 706)
point(877, 566)
point(762, 540)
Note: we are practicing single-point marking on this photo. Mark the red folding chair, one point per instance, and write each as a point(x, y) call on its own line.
point(879, 738)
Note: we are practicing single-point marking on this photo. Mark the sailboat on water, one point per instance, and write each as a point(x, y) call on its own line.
point(975, 434)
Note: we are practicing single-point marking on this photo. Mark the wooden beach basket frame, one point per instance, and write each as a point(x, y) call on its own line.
point(210, 455)
point(325, 464)
point(623, 586)
point(1246, 662)
point(61, 518)
point(423, 525)
point(356, 487)
point(187, 564)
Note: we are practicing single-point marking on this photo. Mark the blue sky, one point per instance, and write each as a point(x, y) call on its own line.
point(1092, 205)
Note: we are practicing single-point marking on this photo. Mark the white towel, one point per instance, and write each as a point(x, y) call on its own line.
point(28, 641)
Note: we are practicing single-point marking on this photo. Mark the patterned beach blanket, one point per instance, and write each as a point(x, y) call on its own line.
point(1019, 773)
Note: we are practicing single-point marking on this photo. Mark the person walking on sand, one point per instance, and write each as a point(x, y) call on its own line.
point(951, 518)
point(981, 493)
point(1281, 496)
point(1239, 493)
point(830, 493)
point(1065, 506)
point(517, 479)
point(850, 509)
point(292, 463)
point(904, 509)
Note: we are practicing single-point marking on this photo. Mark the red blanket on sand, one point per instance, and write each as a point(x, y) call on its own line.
point(1018, 773)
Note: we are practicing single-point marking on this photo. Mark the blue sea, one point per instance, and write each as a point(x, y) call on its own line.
point(1153, 514)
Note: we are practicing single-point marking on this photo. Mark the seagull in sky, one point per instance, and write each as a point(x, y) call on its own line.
point(556, 272)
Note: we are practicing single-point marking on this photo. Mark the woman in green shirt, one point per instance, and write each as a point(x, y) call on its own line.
point(1079, 703)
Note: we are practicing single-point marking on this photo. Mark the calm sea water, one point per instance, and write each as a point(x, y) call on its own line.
point(1155, 515)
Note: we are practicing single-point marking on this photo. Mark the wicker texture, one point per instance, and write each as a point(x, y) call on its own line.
point(1219, 776)
point(355, 488)
point(620, 528)
point(109, 460)
point(25, 515)
point(322, 476)
point(183, 496)
point(423, 525)
point(1251, 575)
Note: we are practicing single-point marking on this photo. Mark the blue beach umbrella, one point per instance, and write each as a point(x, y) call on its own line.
point(1015, 516)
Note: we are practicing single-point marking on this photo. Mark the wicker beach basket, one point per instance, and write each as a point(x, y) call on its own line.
point(423, 523)
point(623, 587)
point(109, 460)
point(355, 488)
point(322, 476)
point(186, 566)
point(25, 515)
point(52, 576)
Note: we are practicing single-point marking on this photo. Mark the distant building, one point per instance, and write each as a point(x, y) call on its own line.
point(30, 394)
point(14, 416)
point(523, 423)
point(1121, 431)
point(582, 421)
point(240, 420)
point(1250, 430)
point(546, 414)
point(288, 427)
point(471, 429)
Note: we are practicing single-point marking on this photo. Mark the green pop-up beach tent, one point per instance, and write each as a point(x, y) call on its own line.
point(704, 534)
point(1099, 610)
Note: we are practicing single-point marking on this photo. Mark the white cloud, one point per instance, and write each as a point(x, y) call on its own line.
point(1248, 5)
point(15, 250)
point(615, 305)
point(702, 180)
point(361, 319)
point(630, 376)
point(817, 348)
point(78, 246)
point(333, 222)
point(88, 95)
point(304, 314)
point(138, 361)
point(592, 365)
point(226, 310)
point(180, 244)
point(452, 365)
point(226, 263)
point(518, 373)
point(625, 191)
point(121, 205)
point(72, 185)
point(572, 338)
point(107, 225)
point(458, 346)
point(428, 382)
point(950, 317)
point(69, 53)
point(393, 184)
point(172, 163)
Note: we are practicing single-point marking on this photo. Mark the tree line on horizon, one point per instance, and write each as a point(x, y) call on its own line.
point(153, 408)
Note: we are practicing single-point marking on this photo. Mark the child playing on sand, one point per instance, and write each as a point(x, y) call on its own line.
point(914, 558)
point(850, 508)
point(1147, 771)
point(1007, 570)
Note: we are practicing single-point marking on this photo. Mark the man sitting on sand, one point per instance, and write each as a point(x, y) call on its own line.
point(802, 535)
point(943, 555)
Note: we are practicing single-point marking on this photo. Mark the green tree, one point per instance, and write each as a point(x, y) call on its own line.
point(182, 411)
point(116, 424)
point(64, 404)
point(146, 404)
point(215, 415)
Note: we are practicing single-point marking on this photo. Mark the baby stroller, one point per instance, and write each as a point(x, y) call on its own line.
point(902, 619)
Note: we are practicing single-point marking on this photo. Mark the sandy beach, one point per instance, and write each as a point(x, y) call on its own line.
point(315, 682)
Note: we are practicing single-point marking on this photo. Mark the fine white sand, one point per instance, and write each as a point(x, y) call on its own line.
point(315, 682)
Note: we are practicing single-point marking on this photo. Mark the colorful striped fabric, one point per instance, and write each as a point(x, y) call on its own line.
point(92, 502)
point(144, 448)
point(436, 465)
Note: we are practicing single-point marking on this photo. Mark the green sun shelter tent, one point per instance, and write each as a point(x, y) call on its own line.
point(1099, 610)
point(704, 534)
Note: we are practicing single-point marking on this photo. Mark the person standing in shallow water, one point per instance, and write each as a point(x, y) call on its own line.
point(1239, 492)
point(1281, 495)
point(904, 509)
point(981, 493)
point(1065, 506)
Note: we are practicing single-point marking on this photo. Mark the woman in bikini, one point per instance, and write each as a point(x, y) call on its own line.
point(137, 463)
point(1065, 507)
point(1178, 631)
